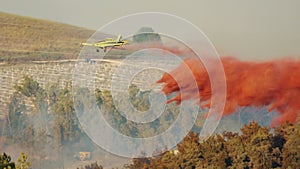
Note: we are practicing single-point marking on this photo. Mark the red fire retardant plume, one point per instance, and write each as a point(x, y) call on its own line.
point(275, 84)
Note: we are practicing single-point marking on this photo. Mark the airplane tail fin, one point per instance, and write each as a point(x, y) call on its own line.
point(119, 38)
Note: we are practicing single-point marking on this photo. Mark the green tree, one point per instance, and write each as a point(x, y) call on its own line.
point(255, 147)
point(23, 162)
point(34, 133)
point(31, 89)
point(214, 153)
point(259, 149)
point(139, 99)
point(238, 157)
point(291, 150)
point(17, 119)
point(66, 124)
point(5, 162)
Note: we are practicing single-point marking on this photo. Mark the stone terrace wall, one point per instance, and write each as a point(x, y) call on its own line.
point(61, 73)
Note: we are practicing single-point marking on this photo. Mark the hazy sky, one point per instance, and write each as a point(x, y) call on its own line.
point(246, 29)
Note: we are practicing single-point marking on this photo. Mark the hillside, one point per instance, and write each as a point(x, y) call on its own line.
point(26, 39)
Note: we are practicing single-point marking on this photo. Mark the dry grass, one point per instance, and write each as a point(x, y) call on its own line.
point(25, 39)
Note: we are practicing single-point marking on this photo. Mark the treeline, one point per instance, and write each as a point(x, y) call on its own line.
point(52, 122)
point(140, 101)
point(255, 147)
point(52, 115)
point(48, 129)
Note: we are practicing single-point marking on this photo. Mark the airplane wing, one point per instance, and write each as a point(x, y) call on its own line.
point(87, 44)
point(99, 45)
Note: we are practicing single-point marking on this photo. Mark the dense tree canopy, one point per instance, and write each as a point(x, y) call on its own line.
point(254, 147)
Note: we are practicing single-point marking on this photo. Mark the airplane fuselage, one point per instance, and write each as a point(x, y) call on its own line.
point(108, 42)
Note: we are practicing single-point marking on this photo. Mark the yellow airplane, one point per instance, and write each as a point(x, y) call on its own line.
point(107, 43)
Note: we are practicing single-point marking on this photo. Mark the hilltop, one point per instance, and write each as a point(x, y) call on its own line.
point(27, 39)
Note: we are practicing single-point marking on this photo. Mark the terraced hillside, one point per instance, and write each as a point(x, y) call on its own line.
point(27, 39)
point(94, 75)
point(47, 52)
